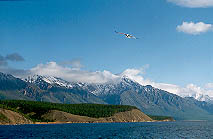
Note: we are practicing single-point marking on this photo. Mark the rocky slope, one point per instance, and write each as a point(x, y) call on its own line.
point(8, 117)
point(128, 116)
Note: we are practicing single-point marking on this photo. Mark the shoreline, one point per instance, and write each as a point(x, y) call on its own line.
point(46, 123)
point(86, 122)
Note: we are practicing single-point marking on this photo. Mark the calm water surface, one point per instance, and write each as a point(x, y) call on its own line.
point(156, 130)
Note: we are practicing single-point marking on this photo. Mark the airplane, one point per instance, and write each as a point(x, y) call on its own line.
point(127, 35)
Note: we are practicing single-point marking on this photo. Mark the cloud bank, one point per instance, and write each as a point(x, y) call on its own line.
point(194, 28)
point(73, 74)
point(193, 3)
point(209, 85)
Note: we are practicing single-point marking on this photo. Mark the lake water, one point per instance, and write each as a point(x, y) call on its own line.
point(156, 130)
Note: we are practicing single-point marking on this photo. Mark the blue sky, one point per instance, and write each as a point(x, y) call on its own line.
point(42, 31)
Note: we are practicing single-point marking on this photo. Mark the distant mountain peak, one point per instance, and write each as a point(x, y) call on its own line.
point(125, 79)
point(201, 97)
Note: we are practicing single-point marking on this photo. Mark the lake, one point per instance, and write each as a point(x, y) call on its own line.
point(145, 130)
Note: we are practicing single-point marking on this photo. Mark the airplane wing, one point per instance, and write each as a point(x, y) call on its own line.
point(119, 32)
point(127, 35)
point(134, 37)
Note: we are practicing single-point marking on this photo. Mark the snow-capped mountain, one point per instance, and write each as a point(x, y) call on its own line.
point(112, 88)
point(201, 97)
point(96, 89)
point(54, 81)
point(38, 79)
point(44, 88)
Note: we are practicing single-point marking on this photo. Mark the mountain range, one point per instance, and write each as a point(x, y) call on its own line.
point(150, 100)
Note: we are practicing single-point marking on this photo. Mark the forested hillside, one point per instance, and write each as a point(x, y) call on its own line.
point(34, 110)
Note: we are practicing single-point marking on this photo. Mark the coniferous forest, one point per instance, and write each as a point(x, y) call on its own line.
point(34, 109)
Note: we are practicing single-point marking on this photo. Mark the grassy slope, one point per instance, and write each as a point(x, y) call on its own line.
point(34, 110)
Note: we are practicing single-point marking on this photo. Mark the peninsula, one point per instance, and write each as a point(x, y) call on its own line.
point(33, 112)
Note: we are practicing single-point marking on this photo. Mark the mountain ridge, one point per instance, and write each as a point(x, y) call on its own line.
point(152, 101)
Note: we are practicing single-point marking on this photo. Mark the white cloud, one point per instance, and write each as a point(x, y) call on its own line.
point(168, 87)
point(136, 75)
point(196, 91)
point(209, 85)
point(193, 3)
point(194, 28)
point(77, 75)
point(73, 74)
